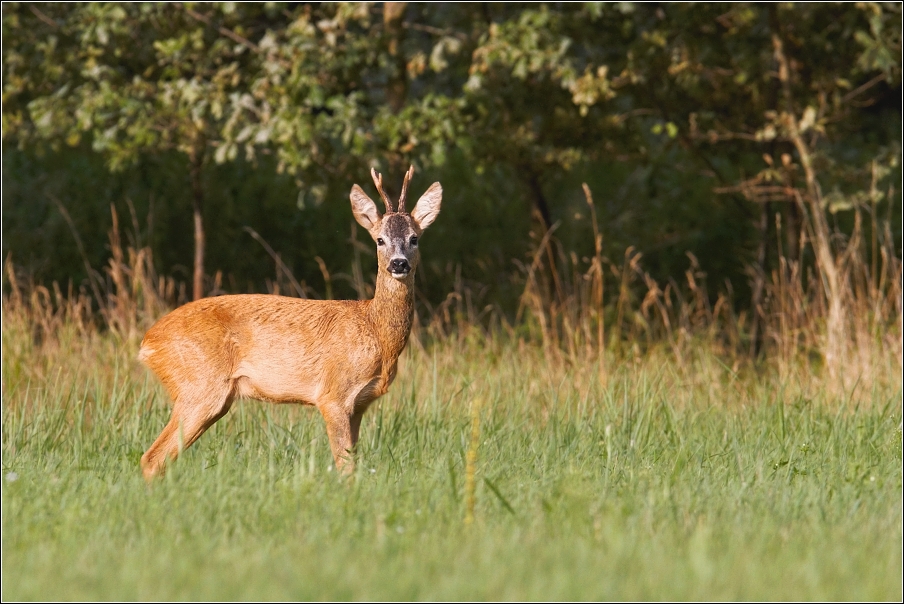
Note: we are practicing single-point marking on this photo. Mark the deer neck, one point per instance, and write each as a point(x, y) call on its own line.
point(392, 312)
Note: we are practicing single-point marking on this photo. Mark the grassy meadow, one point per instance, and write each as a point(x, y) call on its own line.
point(688, 389)
point(645, 476)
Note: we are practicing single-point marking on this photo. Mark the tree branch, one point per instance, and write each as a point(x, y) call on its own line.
point(226, 32)
point(43, 17)
point(863, 88)
point(436, 31)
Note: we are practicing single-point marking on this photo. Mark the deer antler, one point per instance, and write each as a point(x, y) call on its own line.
point(402, 198)
point(378, 180)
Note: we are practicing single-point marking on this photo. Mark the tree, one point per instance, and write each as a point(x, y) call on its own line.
point(781, 83)
point(347, 85)
point(685, 104)
point(134, 79)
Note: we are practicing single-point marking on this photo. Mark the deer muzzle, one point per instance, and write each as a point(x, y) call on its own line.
point(399, 268)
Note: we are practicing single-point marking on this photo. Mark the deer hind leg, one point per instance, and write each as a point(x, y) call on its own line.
point(193, 414)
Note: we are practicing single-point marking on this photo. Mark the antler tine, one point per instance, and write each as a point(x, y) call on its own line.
point(378, 181)
point(403, 197)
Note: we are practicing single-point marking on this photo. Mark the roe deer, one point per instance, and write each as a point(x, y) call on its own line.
point(336, 355)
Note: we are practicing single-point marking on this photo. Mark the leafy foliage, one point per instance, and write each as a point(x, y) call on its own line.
point(676, 115)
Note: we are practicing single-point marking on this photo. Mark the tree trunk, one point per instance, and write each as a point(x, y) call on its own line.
point(397, 81)
point(836, 332)
point(539, 198)
point(793, 232)
point(397, 86)
point(759, 280)
point(197, 193)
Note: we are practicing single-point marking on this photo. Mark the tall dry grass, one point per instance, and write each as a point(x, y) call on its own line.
point(581, 308)
point(588, 315)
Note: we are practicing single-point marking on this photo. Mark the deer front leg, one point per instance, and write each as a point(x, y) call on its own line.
point(339, 429)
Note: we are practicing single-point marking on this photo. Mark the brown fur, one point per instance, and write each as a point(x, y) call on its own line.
point(339, 356)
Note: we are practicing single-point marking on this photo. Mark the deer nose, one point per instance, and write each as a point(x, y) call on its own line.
point(399, 266)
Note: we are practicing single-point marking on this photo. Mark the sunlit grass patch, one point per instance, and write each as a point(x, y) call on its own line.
point(664, 480)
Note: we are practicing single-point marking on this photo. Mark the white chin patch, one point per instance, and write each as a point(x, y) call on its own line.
point(399, 276)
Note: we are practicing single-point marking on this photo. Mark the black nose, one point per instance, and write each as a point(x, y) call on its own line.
point(399, 265)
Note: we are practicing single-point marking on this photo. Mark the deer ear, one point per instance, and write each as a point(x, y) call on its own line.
point(427, 208)
point(364, 208)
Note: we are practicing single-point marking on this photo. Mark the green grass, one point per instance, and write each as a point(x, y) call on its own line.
point(667, 479)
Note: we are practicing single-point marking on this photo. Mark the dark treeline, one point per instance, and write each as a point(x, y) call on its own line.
point(743, 135)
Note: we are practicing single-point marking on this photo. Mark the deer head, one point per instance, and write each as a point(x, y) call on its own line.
point(396, 233)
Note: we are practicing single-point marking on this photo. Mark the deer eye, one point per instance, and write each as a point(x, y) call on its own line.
point(380, 241)
point(413, 240)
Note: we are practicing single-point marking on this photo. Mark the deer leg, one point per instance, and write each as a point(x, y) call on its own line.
point(190, 419)
point(154, 459)
point(338, 428)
